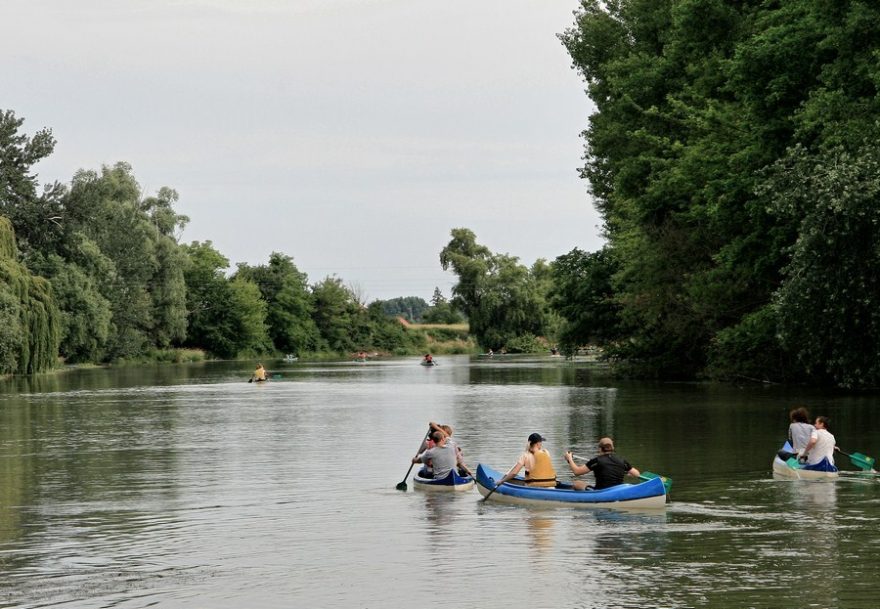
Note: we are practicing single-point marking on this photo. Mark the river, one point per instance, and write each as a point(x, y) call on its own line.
point(186, 486)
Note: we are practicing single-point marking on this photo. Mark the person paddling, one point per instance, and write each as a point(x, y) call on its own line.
point(537, 463)
point(442, 456)
point(448, 431)
point(609, 469)
point(259, 374)
point(821, 444)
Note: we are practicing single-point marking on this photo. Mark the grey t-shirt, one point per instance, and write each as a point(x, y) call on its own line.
point(443, 459)
point(799, 434)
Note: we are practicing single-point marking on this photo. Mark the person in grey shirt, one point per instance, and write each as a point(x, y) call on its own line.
point(800, 429)
point(799, 432)
point(442, 456)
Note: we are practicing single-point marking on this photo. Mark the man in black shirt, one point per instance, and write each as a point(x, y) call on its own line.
point(609, 469)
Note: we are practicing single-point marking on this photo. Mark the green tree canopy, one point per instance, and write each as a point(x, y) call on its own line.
point(503, 300)
point(226, 317)
point(289, 303)
point(696, 100)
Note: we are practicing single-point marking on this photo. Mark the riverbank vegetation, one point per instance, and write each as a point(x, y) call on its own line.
point(732, 153)
point(733, 156)
point(93, 272)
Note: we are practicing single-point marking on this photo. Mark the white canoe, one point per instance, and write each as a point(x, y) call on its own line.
point(452, 482)
point(792, 470)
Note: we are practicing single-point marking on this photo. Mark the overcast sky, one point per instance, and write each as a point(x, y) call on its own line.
point(352, 135)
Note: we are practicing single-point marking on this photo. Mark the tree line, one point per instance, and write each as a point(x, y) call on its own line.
point(92, 271)
point(733, 156)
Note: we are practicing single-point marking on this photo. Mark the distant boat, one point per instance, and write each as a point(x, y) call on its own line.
point(290, 359)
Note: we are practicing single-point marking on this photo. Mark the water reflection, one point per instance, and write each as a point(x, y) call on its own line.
point(539, 526)
point(175, 486)
point(440, 510)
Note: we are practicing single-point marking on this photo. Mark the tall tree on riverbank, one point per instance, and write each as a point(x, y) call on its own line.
point(226, 318)
point(29, 319)
point(696, 101)
point(135, 238)
point(289, 302)
point(503, 300)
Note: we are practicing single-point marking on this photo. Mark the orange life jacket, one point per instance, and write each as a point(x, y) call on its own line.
point(542, 473)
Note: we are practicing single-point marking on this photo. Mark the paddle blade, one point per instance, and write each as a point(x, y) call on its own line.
point(863, 461)
point(401, 486)
point(667, 482)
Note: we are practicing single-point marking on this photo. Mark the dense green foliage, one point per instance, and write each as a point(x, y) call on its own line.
point(441, 311)
point(290, 303)
point(584, 297)
point(725, 156)
point(28, 314)
point(411, 308)
point(504, 301)
point(226, 318)
point(97, 275)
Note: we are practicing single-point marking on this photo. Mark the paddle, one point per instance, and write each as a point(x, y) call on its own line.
point(864, 462)
point(667, 482)
point(489, 494)
point(401, 486)
point(644, 476)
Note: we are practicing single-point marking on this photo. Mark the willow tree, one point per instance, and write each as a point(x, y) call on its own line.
point(503, 300)
point(29, 318)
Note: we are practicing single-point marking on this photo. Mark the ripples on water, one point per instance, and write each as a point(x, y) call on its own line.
point(205, 491)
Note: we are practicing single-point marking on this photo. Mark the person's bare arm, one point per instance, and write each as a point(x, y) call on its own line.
point(577, 470)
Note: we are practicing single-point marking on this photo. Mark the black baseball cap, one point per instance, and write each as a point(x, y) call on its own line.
point(535, 438)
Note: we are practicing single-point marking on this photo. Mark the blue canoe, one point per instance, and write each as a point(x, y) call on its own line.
point(649, 494)
point(452, 482)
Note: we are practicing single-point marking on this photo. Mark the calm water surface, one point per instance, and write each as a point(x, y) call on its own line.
point(188, 487)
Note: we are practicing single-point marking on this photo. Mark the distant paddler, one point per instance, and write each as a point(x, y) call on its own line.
point(259, 375)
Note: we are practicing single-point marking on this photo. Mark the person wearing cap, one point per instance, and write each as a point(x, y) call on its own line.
point(609, 469)
point(442, 456)
point(537, 463)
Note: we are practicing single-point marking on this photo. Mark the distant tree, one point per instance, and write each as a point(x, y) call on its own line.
point(246, 318)
point(226, 317)
point(584, 296)
point(502, 299)
point(335, 315)
point(35, 218)
point(441, 311)
point(410, 308)
point(290, 305)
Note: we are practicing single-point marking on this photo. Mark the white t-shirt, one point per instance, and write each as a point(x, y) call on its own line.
point(824, 447)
